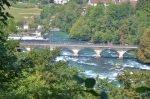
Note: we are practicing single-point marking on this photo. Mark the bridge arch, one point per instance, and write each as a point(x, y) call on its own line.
point(66, 52)
point(87, 52)
point(130, 53)
point(109, 53)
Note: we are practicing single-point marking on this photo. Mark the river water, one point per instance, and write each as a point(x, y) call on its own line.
point(88, 64)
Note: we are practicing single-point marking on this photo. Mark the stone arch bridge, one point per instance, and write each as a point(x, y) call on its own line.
point(98, 48)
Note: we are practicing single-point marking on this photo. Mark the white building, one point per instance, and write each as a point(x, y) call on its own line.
point(39, 27)
point(26, 27)
point(106, 2)
point(93, 2)
point(60, 1)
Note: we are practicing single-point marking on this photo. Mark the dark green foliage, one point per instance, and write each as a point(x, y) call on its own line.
point(42, 78)
point(79, 79)
point(61, 16)
point(118, 24)
point(8, 70)
point(142, 89)
point(118, 12)
point(142, 4)
point(103, 95)
point(90, 82)
point(3, 14)
point(81, 30)
point(93, 92)
point(144, 48)
point(136, 83)
point(109, 25)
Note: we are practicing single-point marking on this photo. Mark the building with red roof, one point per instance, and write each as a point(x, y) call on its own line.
point(106, 2)
point(93, 2)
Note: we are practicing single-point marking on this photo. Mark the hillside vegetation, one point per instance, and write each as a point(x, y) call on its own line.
point(116, 24)
point(35, 75)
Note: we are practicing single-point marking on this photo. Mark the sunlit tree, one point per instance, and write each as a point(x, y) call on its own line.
point(144, 48)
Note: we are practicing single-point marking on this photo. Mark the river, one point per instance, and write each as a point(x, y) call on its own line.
point(88, 64)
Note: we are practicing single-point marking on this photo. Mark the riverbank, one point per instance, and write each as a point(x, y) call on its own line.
point(31, 36)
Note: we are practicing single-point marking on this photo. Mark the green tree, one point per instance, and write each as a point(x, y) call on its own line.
point(136, 83)
point(81, 30)
point(144, 48)
point(120, 11)
point(123, 33)
point(8, 70)
point(3, 14)
point(97, 38)
point(143, 4)
point(42, 78)
point(68, 16)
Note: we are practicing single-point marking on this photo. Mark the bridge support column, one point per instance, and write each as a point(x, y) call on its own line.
point(98, 53)
point(121, 53)
point(28, 48)
point(75, 51)
point(51, 48)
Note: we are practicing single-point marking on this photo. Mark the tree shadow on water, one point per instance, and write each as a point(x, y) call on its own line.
point(103, 95)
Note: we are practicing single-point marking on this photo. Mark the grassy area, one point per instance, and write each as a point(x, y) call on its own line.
point(23, 5)
point(21, 13)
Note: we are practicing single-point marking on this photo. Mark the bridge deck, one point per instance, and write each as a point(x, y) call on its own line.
point(68, 45)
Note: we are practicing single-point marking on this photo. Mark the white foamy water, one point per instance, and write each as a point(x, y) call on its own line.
point(66, 58)
point(60, 58)
point(136, 65)
point(66, 53)
point(90, 73)
point(111, 76)
point(103, 68)
point(86, 63)
point(145, 67)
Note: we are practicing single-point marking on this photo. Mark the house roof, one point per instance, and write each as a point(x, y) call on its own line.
point(95, 1)
point(104, 1)
point(133, 3)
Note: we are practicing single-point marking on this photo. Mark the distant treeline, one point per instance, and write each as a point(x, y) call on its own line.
point(118, 23)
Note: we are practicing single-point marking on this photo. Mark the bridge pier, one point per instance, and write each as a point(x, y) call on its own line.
point(51, 48)
point(98, 53)
point(121, 53)
point(75, 52)
point(28, 48)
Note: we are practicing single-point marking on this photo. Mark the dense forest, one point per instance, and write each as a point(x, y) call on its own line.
point(35, 75)
point(117, 23)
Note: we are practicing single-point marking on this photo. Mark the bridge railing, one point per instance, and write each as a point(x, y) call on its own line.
point(73, 44)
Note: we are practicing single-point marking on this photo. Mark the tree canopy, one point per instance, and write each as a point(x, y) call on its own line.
point(117, 24)
point(36, 75)
point(144, 48)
